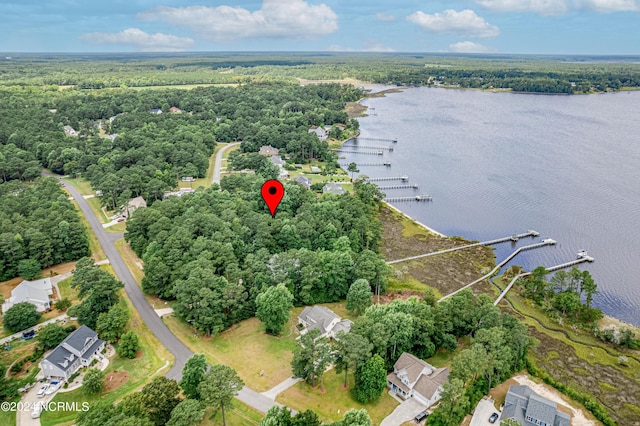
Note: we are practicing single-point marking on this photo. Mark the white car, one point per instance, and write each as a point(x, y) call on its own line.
point(37, 410)
point(43, 390)
point(53, 386)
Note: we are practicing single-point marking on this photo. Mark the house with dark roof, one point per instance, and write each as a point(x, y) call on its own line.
point(78, 350)
point(36, 292)
point(530, 409)
point(268, 151)
point(415, 378)
point(333, 188)
point(323, 319)
point(304, 181)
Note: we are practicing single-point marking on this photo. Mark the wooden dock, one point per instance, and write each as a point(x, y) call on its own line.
point(414, 186)
point(422, 197)
point(381, 179)
point(515, 237)
point(376, 139)
point(582, 257)
point(545, 242)
point(341, 151)
point(386, 164)
point(387, 148)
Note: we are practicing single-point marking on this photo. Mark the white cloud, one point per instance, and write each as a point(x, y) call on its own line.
point(558, 7)
point(465, 22)
point(384, 17)
point(157, 42)
point(276, 18)
point(470, 47)
point(542, 7)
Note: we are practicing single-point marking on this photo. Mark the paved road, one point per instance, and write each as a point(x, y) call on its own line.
point(217, 166)
point(404, 412)
point(180, 352)
point(149, 316)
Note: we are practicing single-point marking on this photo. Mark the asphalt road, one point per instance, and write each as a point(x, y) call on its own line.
point(217, 165)
point(180, 352)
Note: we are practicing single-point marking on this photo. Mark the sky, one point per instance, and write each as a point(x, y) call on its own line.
point(463, 26)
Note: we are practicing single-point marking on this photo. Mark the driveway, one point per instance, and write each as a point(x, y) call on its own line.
point(217, 165)
point(404, 412)
point(23, 417)
point(484, 410)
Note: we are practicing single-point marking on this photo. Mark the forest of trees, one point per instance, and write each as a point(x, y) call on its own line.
point(38, 225)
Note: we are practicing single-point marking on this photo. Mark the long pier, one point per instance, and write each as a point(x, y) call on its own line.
point(341, 151)
point(422, 197)
point(377, 139)
point(380, 179)
point(388, 148)
point(386, 164)
point(582, 257)
point(414, 186)
point(516, 237)
point(545, 242)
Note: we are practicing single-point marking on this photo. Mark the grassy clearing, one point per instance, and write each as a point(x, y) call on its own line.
point(81, 184)
point(66, 292)
point(335, 400)
point(443, 357)
point(8, 418)
point(117, 228)
point(142, 369)
point(133, 262)
point(240, 415)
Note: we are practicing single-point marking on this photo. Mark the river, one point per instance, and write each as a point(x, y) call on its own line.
point(501, 163)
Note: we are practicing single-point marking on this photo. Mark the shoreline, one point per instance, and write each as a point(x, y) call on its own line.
point(433, 231)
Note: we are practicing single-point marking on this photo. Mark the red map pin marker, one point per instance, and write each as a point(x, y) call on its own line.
point(272, 193)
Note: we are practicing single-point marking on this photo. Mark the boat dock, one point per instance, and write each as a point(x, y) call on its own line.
point(545, 242)
point(422, 197)
point(386, 163)
point(414, 186)
point(388, 148)
point(341, 151)
point(515, 237)
point(582, 257)
point(376, 139)
point(380, 179)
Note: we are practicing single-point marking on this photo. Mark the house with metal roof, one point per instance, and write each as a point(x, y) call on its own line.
point(36, 292)
point(530, 409)
point(323, 319)
point(78, 350)
point(415, 378)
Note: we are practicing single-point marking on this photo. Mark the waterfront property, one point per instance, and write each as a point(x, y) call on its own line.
point(78, 350)
point(36, 292)
point(323, 319)
point(528, 408)
point(333, 188)
point(415, 378)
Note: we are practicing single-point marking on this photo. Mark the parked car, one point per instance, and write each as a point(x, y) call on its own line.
point(120, 219)
point(43, 390)
point(53, 386)
point(37, 410)
point(28, 335)
point(420, 417)
point(493, 417)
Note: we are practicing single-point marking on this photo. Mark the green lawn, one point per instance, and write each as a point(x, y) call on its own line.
point(335, 401)
point(8, 418)
point(142, 369)
point(66, 292)
point(118, 227)
point(240, 415)
point(82, 185)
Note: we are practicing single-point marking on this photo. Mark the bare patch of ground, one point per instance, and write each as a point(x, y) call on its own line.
point(447, 272)
point(355, 110)
point(115, 379)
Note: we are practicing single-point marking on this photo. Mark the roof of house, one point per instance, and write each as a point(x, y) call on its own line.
point(521, 401)
point(333, 188)
point(63, 358)
point(412, 365)
point(137, 202)
point(175, 109)
point(425, 378)
point(427, 385)
point(156, 111)
point(318, 317)
point(27, 291)
point(268, 150)
point(277, 160)
point(344, 325)
point(305, 181)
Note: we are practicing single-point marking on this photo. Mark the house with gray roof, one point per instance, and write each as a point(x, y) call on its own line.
point(415, 378)
point(530, 409)
point(70, 131)
point(323, 319)
point(78, 350)
point(268, 151)
point(36, 292)
point(304, 181)
point(333, 188)
point(320, 132)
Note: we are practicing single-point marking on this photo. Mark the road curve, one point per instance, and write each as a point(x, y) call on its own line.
point(217, 166)
point(180, 352)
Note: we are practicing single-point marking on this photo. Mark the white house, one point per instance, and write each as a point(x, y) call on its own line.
point(70, 131)
point(414, 378)
point(78, 350)
point(319, 132)
point(35, 292)
point(323, 319)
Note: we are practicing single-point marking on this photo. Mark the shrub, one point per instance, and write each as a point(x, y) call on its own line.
point(63, 304)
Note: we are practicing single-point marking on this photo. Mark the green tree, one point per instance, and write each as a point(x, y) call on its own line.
point(189, 412)
point(311, 357)
point(273, 307)
point(160, 397)
point(454, 404)
point(50, 336)
point(21, 316)
point(352, 168)
point(192, 374)
point(353, 350)
point(371, 380)
point(93, 381)
point(277, 416)
point(219, 386)
point(355, 417)
point(111, 324)
point(129, 345)
point(63, 304)
point(359, 296)
point(29, 269)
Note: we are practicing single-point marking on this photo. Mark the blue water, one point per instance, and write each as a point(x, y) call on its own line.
point(501, 163)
